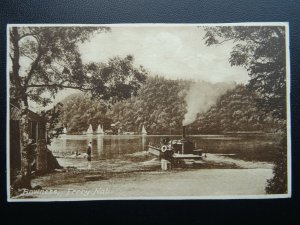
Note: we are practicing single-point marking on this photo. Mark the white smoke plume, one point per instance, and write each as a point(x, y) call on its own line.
point(201, 96)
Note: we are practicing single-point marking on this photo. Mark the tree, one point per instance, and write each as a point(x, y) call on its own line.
point(119, 79)
point(45, 60)
point(159, 106)
point(79, 110)
point(234, 111)
point(262, 51)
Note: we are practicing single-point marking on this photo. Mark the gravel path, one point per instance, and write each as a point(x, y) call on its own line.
point(216, 177)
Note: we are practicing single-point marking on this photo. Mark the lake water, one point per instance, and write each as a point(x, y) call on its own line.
point(249, 147)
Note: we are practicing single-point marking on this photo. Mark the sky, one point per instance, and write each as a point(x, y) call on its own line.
point(170, 51)
point(174, 52)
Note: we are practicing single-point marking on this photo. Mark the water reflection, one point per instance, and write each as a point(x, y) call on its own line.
point(255, 147)
point(144, 142)
point(89, 139)
point(100, 144)
point(119, 145)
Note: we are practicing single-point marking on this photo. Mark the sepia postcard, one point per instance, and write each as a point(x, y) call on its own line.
point(148, 111)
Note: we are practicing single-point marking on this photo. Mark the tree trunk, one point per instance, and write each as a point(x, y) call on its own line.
point(25, 147)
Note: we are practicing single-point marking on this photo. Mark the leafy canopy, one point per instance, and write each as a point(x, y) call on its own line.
point(261, 50)
point(115, 80)
point(47, 59)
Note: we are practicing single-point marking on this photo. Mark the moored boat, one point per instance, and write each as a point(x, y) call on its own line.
point(173, 150)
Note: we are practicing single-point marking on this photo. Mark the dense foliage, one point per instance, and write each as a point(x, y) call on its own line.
point(236, 111)
point(160, 106)
point(262, 51)
point(279, 183)
point(45, 60)
point(79, 111)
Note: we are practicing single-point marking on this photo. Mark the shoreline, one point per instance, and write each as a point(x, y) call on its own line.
point(139, 175)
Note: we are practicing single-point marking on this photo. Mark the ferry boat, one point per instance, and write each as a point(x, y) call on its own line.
point(176, 150)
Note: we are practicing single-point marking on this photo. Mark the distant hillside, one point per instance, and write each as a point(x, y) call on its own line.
point(235, 111)
point(160, 106)
point(79, 111)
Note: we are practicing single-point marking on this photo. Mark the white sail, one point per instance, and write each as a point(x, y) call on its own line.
point(100, 129)
point(144, 132)
point(90, 130)
point(65, 131)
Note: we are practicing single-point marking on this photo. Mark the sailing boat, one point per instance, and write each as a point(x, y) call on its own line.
point(65, 130)
point(100, 130)
point(90, 130)
point(144, 132)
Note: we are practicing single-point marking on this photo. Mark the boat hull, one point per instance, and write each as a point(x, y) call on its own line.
point(154, 151)
point(157, 152)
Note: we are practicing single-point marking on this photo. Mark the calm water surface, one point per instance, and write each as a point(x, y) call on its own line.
point(260, 147)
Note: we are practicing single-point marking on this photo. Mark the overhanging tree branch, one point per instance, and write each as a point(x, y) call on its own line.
point(225, 40)
point(41, 52)
point(58, 86)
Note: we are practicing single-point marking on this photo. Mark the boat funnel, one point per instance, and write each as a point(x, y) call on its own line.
point(183, 133)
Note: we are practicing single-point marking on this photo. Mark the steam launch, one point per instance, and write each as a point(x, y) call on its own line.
point(175, 151)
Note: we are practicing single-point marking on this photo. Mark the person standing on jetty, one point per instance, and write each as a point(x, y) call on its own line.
point(89, 155)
